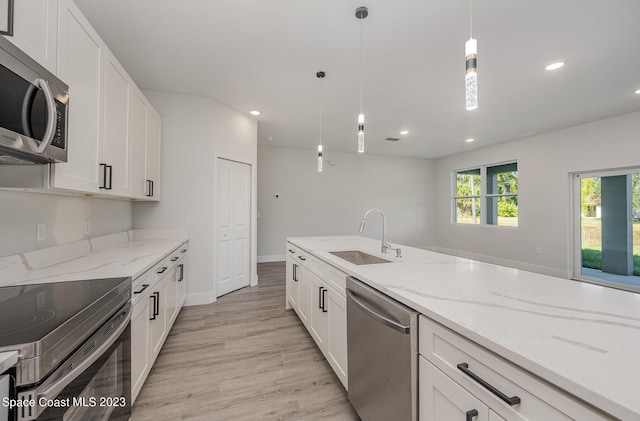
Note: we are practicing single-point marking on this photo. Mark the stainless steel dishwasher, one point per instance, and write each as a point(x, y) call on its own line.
point(382, 341)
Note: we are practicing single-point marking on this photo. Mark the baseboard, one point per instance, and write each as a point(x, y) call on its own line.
point(200, 298)
point(271, 258)
point(545, 270)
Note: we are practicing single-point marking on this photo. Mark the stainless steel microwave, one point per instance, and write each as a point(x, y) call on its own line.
point(33, 110)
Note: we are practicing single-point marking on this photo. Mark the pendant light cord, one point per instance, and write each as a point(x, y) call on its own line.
point(321, 112)
point(361, 19)
point(470, 18)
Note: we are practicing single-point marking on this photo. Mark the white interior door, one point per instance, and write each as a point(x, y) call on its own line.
point(233, 226)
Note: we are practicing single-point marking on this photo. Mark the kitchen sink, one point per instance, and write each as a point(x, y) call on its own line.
point(358, 257)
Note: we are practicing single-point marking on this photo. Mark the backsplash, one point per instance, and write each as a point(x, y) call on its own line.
point(64, 218)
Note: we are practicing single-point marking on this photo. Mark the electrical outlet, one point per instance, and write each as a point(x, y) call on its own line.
point(41, 231)
point(538, 250)
point(87, 227)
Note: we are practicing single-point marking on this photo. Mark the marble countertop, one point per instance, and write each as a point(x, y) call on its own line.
point(584, 338)
point(8, 360)
point(124, 254)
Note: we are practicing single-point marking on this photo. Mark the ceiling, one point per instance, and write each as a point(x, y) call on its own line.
point(264, 54)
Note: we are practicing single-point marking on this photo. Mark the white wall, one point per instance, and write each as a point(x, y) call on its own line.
point(195, 132)
point(334, 201)
point(544, 164)
point(64, 217)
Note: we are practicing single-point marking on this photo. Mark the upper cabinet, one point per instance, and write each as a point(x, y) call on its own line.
point(113, 132)
point(35, 30)
point(81, 56)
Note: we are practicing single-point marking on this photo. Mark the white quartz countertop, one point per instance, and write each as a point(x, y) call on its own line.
point(581, 337)
point(8, 360)
point(118, 255)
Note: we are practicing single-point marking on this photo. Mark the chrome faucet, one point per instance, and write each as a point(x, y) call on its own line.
point(386, 245)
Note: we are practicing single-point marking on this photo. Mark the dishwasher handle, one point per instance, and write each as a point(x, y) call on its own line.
point(384, 320)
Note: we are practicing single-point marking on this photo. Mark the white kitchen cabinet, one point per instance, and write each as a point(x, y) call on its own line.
point(81, 56)
point(35, 31)
point(316, 291)
point(443, 399)
point(116, 146)
point(512, 393)
point(318, 313)
point(140, 337)
point(144, 124)
point(158, 296)
point(337, 334)
point(154, 139)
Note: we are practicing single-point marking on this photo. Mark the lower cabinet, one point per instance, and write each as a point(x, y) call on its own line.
point(460, 380)
point(316, 292)
point(158, 296)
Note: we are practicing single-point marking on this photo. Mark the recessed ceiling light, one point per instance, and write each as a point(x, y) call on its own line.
point(638, 91)
point(404, 132)
point(470, 140)
point(254, 112)
point(554, 65)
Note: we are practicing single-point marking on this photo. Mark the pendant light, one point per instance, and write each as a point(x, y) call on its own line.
point(320, 75)
point(361, 13)
point(471, 58)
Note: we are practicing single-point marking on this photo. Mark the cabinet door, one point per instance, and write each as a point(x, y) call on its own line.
point(443, 399)
point(158, 317)
point(337, 335)
point(81, 55)
point(171, 302)
point(304, 294)
point(319, 316)
point(116, 142)
point(35, 30)
point(292, 284)
point(154, 138)
point(138, 126)
point(140, 346)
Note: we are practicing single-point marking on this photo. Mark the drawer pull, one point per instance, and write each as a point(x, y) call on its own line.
point(173, 259)
point(144, 286)
point(471, 415)
point(513, 400)
point(291, 251)
point(164, 268)
point(301, 258)
point(183, 251)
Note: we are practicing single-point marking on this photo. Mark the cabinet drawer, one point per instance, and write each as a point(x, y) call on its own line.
point(299, 255)
point(477, 370)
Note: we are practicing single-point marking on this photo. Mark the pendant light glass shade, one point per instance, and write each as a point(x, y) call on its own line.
point(319, 158)
point(320, 75)
point(471, 77)
point(360, 133)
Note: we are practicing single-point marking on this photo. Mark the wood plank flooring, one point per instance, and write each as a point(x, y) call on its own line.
point(243, 357)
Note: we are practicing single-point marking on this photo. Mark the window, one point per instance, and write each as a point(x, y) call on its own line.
point(607, 228)
point(487, 195)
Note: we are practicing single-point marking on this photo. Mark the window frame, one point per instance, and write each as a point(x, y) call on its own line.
point(482, 197)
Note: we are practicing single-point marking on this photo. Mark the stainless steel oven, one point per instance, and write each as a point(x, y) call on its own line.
point(74, 344)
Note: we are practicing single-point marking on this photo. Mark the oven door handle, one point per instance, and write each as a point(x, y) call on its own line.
point(93, 352)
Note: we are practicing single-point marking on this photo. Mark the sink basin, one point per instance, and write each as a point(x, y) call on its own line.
point(358, 257)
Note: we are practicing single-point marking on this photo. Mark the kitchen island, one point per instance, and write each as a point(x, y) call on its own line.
point(581, 338)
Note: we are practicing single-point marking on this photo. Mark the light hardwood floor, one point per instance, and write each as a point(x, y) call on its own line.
point(243, 357)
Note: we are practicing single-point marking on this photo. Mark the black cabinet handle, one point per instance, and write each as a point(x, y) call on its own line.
point(144, 286)
point(163, 269)
point(154, 297)
point(471, 415)
point(173, 259)
point(295, 272)
point(152, 188)
point(181, 267)
point(320, 298)
point(301, 258)
point(291, 251)
point(324, 299)
point(183, 251)
point(110, 167)
point(104, 176)
point(513, 400)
